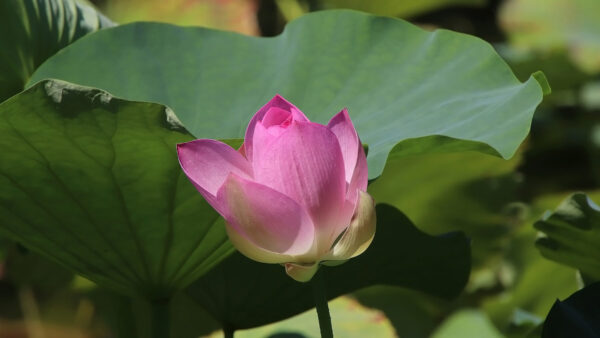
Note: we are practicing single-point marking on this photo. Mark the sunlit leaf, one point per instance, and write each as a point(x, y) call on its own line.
point(408, 90)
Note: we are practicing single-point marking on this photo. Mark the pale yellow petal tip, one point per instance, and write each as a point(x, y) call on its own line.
point(360, 232)
point(251, 250)
point(301, 272)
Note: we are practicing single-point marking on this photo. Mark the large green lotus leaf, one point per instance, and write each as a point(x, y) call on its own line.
point(407, 90)
point(93, 182)
point(241, 293)
point(546, 26)
point(572, 235)
point(33, 30)
point(400, 8)
point(25, 268)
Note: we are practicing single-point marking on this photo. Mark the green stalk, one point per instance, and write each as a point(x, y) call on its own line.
point(318, 284)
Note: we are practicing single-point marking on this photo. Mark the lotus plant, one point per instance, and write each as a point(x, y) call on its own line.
point(294, 193)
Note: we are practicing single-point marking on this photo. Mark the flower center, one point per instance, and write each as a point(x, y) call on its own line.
point(286, 122)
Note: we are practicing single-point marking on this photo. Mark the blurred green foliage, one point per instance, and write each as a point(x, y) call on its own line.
point(550, 26)
point(238, 15)
point(402, 9)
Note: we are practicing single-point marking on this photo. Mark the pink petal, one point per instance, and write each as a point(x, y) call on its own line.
point(306, 164)
point(276, 102)
point(342, 127)
point(269, 226)
point(242, 150)
point(345, 217)
point(359, 234)
point(276, 116)
point(360, 177)
point(207, 163)
point(263, 137)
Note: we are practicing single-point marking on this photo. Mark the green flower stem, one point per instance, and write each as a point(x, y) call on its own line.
point(318, 283)
point(160, 318)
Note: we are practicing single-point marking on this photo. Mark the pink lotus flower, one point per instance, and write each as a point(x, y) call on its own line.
point(295, 191)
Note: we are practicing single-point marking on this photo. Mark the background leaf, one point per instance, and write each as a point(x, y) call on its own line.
point(400, 8)
point(393, 77)
point(241, 293)
point(93, 182)
point(238, 16)
point(33, 30)
point(573, 235)
point(467, 323)
point(480, 195)
point(543, 26)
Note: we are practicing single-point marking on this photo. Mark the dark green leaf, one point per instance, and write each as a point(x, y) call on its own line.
point(576, 316)
point(408, 90)
point(28, 269)
point(93, 182)
point(33, 30)
point(242, 293)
